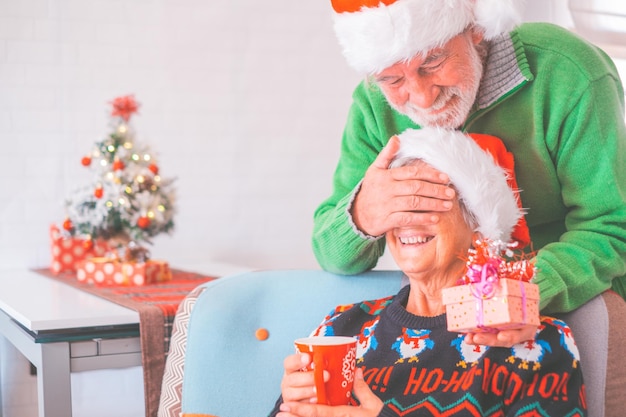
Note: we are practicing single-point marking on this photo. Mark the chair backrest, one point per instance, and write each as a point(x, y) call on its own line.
point(599, 328)
point(228, 371)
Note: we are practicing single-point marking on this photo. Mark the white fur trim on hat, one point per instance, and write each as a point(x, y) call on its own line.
point(496, 17)
point(374, 38)
point(481, 183)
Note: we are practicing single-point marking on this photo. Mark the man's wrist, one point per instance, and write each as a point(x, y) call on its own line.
point(351, 218)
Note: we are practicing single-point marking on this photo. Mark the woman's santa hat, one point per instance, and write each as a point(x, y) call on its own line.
point(481, 169)
point(376, 34)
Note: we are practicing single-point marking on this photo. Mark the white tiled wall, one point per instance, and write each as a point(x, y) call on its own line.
point(244, 102)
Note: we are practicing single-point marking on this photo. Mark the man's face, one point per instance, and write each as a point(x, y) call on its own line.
point(438, 88)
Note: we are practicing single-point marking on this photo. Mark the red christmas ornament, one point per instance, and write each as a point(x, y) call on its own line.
point(68, 225)
point(88, 244)
point(124, 107)
point(118, 165)
point(86, 161)
point(98, 192)
point(143, 222)
point(154, 168)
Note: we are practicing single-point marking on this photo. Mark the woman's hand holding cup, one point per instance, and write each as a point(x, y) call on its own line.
point(319, 378)
point(299, 385)
point(370, 405)
point(333, 362)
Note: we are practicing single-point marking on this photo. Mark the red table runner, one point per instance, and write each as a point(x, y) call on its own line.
point(157, 305)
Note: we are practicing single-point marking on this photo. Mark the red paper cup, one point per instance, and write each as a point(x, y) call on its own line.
point(337, 355)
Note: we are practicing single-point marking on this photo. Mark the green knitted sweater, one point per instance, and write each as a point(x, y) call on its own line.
point(558, 104)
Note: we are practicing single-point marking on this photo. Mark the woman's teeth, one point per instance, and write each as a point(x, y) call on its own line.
point(412, 240)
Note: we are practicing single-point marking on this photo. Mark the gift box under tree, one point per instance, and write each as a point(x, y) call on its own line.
point(106, 272)
point(68, 250)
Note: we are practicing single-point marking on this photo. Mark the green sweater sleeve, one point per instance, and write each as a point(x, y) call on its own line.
point(589, 157)
point(570, 147)
point(338, 245)
point(566, 129)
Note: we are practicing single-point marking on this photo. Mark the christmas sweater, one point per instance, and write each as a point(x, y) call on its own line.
point(557, 103)
point(418, 368)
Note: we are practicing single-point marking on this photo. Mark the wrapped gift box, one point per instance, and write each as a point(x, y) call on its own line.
point(510, 304)
point(105, 271)
point(67, 251)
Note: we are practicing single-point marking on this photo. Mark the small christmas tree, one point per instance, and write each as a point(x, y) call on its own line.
point(128, 202)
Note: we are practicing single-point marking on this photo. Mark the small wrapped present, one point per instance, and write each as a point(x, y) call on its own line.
point(67, 250)
point(510, 304)
point(109, 271)
point(494, 294)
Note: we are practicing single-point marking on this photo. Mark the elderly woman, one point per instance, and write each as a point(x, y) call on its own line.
point(409, 363)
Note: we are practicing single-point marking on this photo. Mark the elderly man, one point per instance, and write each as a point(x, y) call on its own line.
point(555, 100)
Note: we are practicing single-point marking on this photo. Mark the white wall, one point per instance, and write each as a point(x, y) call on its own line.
point(555, 11)
point(242, 100)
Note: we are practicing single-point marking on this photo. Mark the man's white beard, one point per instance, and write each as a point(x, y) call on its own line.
point(456, 114)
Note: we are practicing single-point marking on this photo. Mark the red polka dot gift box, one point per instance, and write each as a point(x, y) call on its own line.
point(67, 251)
point(110, 272)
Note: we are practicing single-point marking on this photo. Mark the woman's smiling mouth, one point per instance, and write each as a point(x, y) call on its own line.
point(412, 240)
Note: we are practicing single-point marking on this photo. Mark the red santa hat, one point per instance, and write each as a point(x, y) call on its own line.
point(481, 169)
point(376, 34)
